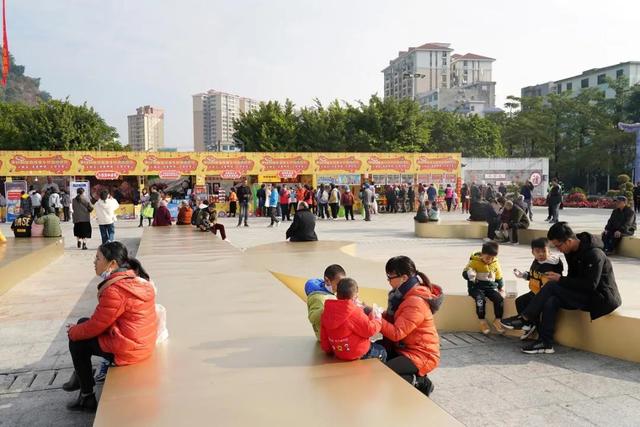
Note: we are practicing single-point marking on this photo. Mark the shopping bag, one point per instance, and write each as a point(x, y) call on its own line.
point(147, 211)
point(162, 331)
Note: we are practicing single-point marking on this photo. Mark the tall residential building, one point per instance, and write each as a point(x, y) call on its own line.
point(596, 77)
point(213, 116)
point(417, 70)
point(146, 129)
point(438, 79)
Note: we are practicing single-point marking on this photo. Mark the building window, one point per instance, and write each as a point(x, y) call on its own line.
point(569, 86)
point(465, 64)
point(559, 88)
point(619, 73)
point(584, 83)
point(602, 79)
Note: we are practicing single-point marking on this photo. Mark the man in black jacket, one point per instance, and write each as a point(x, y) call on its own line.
point(589, 285)
point(244, 194)
point(621, 223)
point(302, 229)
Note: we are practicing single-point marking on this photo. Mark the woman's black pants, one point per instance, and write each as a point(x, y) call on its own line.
point(81, 352)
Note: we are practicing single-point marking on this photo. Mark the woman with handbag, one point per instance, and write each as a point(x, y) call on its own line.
point(82, 207)
point(146, 211)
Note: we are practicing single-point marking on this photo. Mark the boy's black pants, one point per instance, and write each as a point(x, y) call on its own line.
point(493, 295)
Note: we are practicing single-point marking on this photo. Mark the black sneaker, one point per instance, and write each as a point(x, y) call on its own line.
point(84, 246)
point(538, 347)
point(513, 322)
point(84, 403)
point(79, 244)
point(527, 331)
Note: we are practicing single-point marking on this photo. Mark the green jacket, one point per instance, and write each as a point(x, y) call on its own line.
point(315, 306)
point(51, 225)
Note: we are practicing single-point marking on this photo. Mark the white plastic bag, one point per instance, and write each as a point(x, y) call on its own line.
point(162, 331)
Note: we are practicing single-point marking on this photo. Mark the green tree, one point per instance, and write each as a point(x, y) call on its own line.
point(20, 87)
point(54, 125)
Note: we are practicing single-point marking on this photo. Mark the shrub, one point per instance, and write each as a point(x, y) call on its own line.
point(613, 193)
point(576, 198)
point(622, 179)
point(577, 190)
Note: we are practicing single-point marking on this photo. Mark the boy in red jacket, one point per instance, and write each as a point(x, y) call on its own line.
point(345, 330)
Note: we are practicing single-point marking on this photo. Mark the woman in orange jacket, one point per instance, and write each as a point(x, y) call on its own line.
point(411, 338)
point(123, 326)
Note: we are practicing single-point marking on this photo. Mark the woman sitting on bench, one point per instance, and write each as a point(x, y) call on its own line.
point(123, 326)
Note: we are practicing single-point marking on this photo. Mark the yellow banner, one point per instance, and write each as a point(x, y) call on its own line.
point(111, 165)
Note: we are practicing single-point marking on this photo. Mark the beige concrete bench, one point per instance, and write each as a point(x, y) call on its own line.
point(22, 257)
point(451, 229)
point(241, 352)
point(629, 247)
point(574, 328)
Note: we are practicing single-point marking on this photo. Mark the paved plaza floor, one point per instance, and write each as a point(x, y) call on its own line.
point(482, 381)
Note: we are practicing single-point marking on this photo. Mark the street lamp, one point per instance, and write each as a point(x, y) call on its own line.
point(413, 76)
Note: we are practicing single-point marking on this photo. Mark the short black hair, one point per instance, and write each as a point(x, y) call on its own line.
point(490, 248)
point(540, 243)
point(333, 271)
point(561, 232)
point(347, 288)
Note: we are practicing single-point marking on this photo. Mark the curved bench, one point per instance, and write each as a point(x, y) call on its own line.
point(22, 257)
point(629, 245)
point(573, 328)
point(451, 230)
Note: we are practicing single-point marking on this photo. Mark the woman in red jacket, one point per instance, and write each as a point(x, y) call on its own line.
point(123, 326)
point(411, 338)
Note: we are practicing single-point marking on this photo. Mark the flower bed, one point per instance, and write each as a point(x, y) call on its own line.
point(579, 200)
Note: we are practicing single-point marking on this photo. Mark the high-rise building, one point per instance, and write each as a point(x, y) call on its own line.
point(146, 129)
point(436, 78)
point(213, 116)
point(596, 77)
point(417, 70)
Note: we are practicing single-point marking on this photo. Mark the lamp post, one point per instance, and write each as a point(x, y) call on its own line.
point(413, 77)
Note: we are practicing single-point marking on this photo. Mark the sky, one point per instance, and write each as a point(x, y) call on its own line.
point(117, 55)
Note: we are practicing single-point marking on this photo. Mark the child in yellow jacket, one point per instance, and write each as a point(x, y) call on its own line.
point(484, 280)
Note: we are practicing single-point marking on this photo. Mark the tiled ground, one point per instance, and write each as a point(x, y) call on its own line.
point(481, 381)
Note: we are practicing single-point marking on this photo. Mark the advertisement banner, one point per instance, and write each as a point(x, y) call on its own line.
point(168, 166)
point(438, 163)
point(228, 165)
point(337, 163)
point(285, 165)
point(38, 163)
point(73, 188)
point(107, 166)
point(339, 179)
point(12, 191)
point(389, 163)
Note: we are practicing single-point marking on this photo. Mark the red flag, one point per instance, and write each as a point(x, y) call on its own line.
point(5, 46)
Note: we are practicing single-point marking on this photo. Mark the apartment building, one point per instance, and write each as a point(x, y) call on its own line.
point(146, 129)
point(595, 77)
point(436, 78)
point(213, 116)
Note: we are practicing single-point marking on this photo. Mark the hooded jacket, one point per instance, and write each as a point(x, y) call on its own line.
point(590, 272)
point(488, 276)
point(536, 274)
point(345, 330)
point(125, 319)
point(412, 327)
point(317, 294)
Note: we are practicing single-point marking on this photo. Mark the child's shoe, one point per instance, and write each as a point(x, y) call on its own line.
point(101, 373)
point(499, 328)
point(527, 331)
point(513, 322)
point(484, 327)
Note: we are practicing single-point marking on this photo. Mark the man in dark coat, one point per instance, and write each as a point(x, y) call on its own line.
point(621, 223)
point(516, 219)
point(589, 285)
point(302, 229)
point(244, 195)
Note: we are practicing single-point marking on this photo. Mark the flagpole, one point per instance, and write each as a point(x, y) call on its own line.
point(5, 46)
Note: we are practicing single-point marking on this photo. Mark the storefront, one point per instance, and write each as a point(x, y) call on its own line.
point(211, 175)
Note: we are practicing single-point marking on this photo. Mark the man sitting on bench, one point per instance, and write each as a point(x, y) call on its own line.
point(589, 286)
point(621, 223)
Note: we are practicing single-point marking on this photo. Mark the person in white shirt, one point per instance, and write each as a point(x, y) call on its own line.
point(36, 202)
point(106, 215)
point(54, 203)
